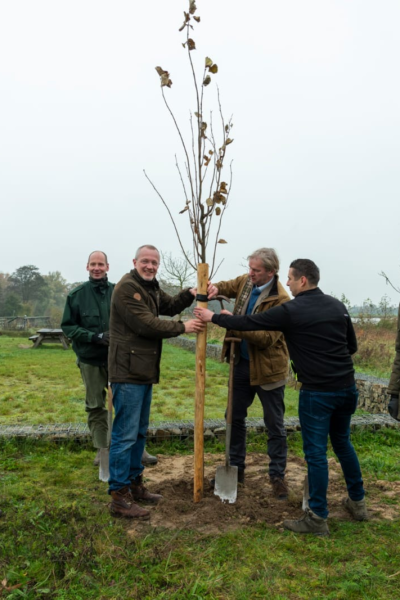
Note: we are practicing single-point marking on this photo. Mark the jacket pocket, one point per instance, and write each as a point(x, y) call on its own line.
point(143, 364)
point(90, 319)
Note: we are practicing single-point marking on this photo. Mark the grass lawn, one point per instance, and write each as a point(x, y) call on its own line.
point(44, 386)
point(58, 541)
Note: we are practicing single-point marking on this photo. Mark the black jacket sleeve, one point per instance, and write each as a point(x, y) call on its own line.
point(275, 319)
point(351, 337)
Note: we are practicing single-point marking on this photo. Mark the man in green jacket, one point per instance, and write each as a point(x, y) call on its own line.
point(136, 334)
point(394, 383)
point(86, 323)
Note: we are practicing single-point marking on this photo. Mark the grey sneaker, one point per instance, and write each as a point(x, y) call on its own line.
point(309, 523)
point(357, 508)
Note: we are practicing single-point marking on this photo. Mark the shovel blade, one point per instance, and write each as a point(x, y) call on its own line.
point(226, 479)
point(104, 472)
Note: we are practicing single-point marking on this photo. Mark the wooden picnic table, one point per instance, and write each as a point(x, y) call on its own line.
point(50, 336)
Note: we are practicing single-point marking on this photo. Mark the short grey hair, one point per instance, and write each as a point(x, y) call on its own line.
point(149, 246)
point(269, 258)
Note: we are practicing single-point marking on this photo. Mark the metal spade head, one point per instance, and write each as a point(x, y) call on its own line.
point(226, 479)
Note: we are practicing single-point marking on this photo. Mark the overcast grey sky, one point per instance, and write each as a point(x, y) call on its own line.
point(314, 89)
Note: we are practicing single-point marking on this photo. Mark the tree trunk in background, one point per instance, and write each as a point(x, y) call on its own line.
point(201, 347)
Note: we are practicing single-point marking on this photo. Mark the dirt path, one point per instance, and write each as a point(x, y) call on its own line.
point(173, 478)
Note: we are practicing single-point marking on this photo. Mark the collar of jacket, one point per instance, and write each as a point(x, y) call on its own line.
point(100, 284)
point(151, 285)
point(315, 290)
point(274, 287)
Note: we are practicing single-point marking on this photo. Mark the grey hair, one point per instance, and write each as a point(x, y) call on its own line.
point(149, 246)
point(269, 258)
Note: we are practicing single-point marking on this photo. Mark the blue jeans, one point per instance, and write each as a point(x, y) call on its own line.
point(322, 414)
point(128, 438)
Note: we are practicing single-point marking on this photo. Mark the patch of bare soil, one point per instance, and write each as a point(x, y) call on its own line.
point(173, 478)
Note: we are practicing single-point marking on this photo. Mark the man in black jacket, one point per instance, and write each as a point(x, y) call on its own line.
point(320, 339)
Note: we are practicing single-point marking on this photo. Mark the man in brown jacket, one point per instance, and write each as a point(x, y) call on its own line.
point(136, 334)
point(261, 365)
point(394, 383)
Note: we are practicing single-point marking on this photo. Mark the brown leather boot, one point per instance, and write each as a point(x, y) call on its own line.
point(122, 505)
point(279, 488)
point(141, 493)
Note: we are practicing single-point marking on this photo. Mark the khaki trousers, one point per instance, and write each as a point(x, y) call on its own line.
point(95, 380)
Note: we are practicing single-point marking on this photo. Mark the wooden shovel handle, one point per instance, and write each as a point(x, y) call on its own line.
point(109, 399)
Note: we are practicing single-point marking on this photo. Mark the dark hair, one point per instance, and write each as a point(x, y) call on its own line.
point(101, 251)
point(304, 267)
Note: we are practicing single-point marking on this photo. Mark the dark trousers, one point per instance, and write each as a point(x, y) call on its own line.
point(324, 414)
point(274, 410)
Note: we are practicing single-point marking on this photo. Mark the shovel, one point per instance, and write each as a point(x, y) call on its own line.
point(226, 477)
point(104, 470)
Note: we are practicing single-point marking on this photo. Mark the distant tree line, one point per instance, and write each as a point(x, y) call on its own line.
point(28, 292)
point(368, 310)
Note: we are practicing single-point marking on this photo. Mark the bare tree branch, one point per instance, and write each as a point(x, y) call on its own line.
point(171, 217)
point(388, 282)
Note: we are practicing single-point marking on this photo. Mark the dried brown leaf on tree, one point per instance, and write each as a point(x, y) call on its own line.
point(207, 80)
point(209, 62)
point(210, 202)
point(164, 77)
point(187, 19)
point(218, 197)
point(221, 241)
point(218, 164)
point(191, 44)
point(213, 69)
point(228, 141)
point(192, 7)
point(218, 211)
point(206, 160)
point(210, 152)
point(197, 19)
point(198, 115)
point(222, 187)
point(184, 210)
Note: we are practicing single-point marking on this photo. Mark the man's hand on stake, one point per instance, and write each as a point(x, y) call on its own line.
point(194, 326)
point(212, 290)
point(225, 312)
point(203, 314)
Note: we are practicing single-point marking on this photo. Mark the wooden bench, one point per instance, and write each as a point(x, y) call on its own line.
point(49, 336)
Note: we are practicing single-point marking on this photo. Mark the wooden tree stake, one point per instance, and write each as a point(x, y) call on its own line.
point(201, 347)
